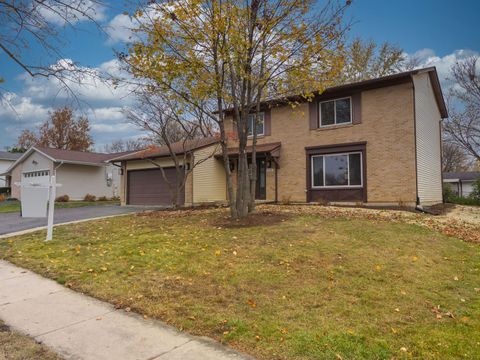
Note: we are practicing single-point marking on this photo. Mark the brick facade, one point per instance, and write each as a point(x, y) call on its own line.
point(387, 127)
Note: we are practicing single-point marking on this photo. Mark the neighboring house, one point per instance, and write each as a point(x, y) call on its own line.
point(78, 172)
point(461, 182)
point(6, 160)
point(373, 142)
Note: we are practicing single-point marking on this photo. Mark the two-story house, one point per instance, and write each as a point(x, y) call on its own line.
point(374, 142)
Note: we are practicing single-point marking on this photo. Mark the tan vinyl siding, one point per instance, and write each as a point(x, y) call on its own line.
point(428, 142)
point(80, 180)
point(209, 183)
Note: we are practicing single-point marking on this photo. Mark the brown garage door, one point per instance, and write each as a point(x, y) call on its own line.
point(147, 187)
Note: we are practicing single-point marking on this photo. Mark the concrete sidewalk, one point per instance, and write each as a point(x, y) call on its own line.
point(79, 327)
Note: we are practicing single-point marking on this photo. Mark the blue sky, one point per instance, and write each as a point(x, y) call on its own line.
point(438, 32)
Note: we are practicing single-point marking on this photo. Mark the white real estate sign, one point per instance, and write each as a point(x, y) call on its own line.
point(37, 197)
point(34, 201)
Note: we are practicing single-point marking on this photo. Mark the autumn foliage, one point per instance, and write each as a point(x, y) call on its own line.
point(60, 131)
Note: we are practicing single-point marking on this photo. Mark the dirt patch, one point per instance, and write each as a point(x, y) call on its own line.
point(263, 218)
point(469, 214)
point(184, 212)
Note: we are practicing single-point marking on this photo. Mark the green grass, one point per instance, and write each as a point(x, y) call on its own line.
point(14, 206)
point(306, 288)
point(15, 346)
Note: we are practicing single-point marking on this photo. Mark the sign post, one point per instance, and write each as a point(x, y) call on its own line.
point(51, 206)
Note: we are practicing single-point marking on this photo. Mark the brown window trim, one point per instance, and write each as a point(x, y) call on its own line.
point(345, 194)
point(355, 109)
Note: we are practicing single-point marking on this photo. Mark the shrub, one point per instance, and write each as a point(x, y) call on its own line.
point(115, 198)
point(89, 197)
point(464, 201)
point(63, 198)
point(448, 193)
point(102, 198)
point(2, 198)
point(475, 194)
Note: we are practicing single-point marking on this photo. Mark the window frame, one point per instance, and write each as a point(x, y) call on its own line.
point(324, 186)
point(261, 113)
point(334, 112)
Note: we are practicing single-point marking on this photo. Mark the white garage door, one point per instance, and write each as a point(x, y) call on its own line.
point(40, 177)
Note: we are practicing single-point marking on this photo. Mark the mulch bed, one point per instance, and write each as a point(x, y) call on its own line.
point(263, 218)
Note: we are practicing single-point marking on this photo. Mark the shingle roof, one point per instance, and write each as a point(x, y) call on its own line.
point(388, 80)
point(260, 148)
point(78, 156)
point(464, 176)
point(178, 148)
point(5, 155)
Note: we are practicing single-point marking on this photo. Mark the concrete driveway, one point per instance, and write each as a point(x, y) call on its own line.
point(13, 222)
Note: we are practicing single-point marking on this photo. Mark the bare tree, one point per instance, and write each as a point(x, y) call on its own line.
point(179, 128)
point(454, 158)
point(463, 126)
point(41, 24)
point(121, 145)
point(367, 60)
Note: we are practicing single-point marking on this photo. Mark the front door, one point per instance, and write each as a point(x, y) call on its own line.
point(261, 191)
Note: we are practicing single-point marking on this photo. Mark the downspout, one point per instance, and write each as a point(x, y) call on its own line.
point(276, 182)
point(56, 167)
point(417, 198)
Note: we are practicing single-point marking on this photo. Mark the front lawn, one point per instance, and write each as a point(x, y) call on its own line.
point(14, 206)
point(288, 284)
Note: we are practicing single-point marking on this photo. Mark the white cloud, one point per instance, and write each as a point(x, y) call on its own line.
point(120, 29)
point(428, 57)
point(23, 109)
point(72, 12)
point(95, 97)
point(91, 85)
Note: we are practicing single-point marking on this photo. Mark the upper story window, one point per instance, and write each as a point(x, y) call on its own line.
point(334, 112)
point(260, 124)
